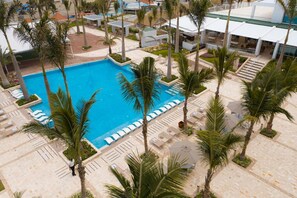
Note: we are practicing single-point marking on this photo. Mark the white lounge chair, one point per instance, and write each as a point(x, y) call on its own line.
point(141, 121)
point(126, 130)
point(153, 115)
point(18, 96)
point(38, 115)
point(137, 124)
point(163, 109)
point(168, 107)
point(46, 121)
point(121, 133)
point(16, 91)
point(34, 113)
point(108, 140)
point(132, 127)
point(2, 118)
point(115, 136)
point(172, 104)
point(177, 101)
point(157, 112)
point(149, 118)
point(41, 119)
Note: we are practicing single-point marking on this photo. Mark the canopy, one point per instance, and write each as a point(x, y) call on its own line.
point(93, 17)
point(186, 151)
point(118, 24)
point(252, 31)
point(276, 34)
point(220, 26)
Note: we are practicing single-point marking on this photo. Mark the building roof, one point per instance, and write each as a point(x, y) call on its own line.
point(252, 31)
point(118, 24)
point(59, 17)
point(16, 44)
point(277, 34)
point(220, 25)
point(292, 39)
point(93, 17)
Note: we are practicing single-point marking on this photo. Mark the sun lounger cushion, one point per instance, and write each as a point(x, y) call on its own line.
point(177, 101)
point(41, 119)
point(108, 140)
point(115, 136)
point(126, 130)
point(149, 118)
point(137, 124)
point(132, 127)
point(141, 121)
point(172, 104)
point(167, 107)
point(34, 113)
point(121, 133)
point(157, 112)
point(163, 109)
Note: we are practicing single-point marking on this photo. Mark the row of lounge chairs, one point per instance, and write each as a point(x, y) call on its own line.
point(40, 116)
point(121, 133)
point(165, 137)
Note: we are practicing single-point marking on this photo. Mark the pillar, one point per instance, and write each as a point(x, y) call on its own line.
point(258, 48)
point(98, 23)
point(275, 50)
point(229, 38)
point(203, 35)
point(126, 31)
point(253, 11)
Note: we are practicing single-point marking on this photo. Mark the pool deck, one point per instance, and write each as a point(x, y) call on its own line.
point(35, 165)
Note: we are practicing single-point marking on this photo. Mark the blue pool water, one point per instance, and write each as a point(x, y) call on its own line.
point(111, 112)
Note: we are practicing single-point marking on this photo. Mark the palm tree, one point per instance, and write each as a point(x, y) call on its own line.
point(81, 9)
point(177, 4)
point(67, 5)
point(214, 143)
point(155, 13)
point(6, 15)
point(150, 178)
point(123, 34)
point(290, 8)
point(150, 18)
point(36, 36)
point(70, 126)
point(5, 58)
point(222, 65)
point(227, 24)
point(198, 11)
point(190, 81)
point(111, 40)
point(170, 9)
point(3, 77)
point(258, 101)
point(103, 6)
point(116, 6)
point(142, 90)
point(76, 6)
point(140, 18)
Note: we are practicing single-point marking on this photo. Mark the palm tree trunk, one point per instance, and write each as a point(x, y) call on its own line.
point(218, 91)
point(76, 20)
point(84, 31)
point(3, 77)
point(67, 12)
point(82, 172)
point(206, 192)
point(105, 29)
point(47, 86)
point(281, 57)
point(185, 114)
point(270, 122)
point(197, 51)
point(177, 30)
point(109, 47)
point(123, 38)
point(227, 25)
point(144, 133)
point(17, 69)
point(140, 36)
point(247, 140)
point(169, 52)
point(65, 82)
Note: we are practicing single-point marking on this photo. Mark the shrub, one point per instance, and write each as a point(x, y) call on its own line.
point(200, 89)
point(23, 101)
point(133, 30)
point(78, 195)
point(118, 58)
point(132, 37)
point(86, 152)
point(211, 51)
point(1, 186)
point(267, 133)
point(165, 79)
point(243, 163)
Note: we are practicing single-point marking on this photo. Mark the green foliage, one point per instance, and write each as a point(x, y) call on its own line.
point(151, 178)
point(132, 37)
point(200, 89)
point(188, 131)
point(1, 186)
point(133, 30)
point(118, 58)
point(243, 163)
point(23, 101)
point(165, 79)
point(164, 52)
point(78, 195)
point(268, 133)
point(86, 151)
point(198, 11)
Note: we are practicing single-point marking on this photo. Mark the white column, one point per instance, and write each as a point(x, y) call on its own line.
point(127, 31)
point(253, 11)
point(275, 50)
point(258, 48)
point(203, 35)
point(229, 38)
point(113, 29)
point(98, 23)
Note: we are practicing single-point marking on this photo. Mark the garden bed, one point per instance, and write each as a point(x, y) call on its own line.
point(33, 100)
point(168, 82)
point(200, 90)
point(87, 151)
point(117, 59)
point(78, 195)
point(1, 186)
point(270, 134)
point(243, 163)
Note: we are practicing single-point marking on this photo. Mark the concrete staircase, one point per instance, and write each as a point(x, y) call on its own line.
point(250, 70)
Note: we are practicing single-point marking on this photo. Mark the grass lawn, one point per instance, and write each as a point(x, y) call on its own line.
point(87, 151)
point(164, 53)
point(173, 77)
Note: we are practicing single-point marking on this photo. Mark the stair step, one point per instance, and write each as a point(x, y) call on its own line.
point(247, 74)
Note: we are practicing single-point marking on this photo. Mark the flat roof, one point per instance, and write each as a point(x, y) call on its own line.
point(93, 17)
point(220, 25)
point(292, 39)
point(277, 34)
point(119, 24)
point(252, 31)
point(16, 44)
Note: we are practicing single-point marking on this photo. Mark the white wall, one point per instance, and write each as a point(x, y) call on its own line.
point(278, 14)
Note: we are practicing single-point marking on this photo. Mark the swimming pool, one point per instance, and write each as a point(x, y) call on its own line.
point(111, 112)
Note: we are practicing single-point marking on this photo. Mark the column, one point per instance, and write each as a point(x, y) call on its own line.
point(253, 11)
point(127, 31)
point(98, 23)
point(258, 48)
point(275, 50)
point(113, 29)
point(203, 35)
point(229, 38)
